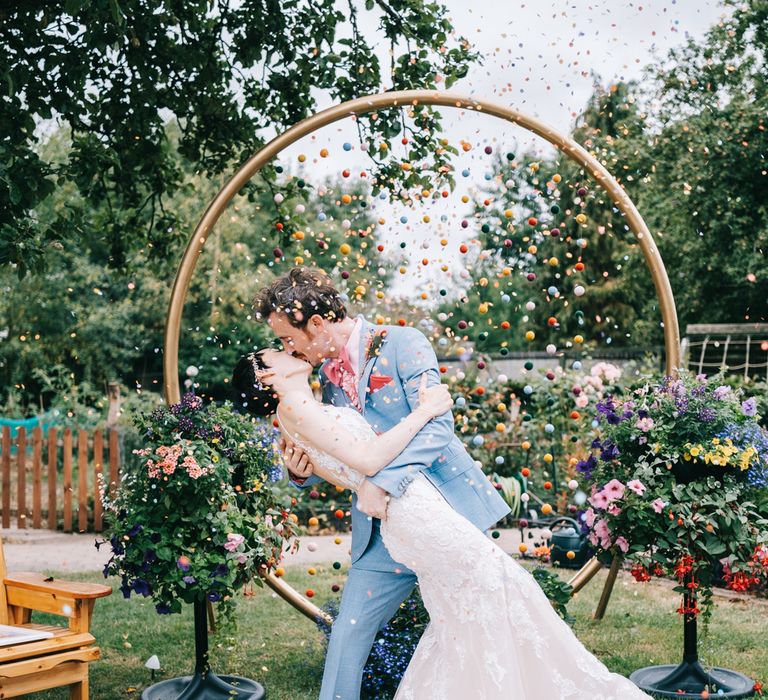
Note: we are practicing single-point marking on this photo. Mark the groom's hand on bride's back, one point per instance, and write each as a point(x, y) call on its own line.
point(296, 461)
point(372, 500)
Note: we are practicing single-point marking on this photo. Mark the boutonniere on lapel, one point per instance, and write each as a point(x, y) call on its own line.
point(375, 341)
point(376, 380)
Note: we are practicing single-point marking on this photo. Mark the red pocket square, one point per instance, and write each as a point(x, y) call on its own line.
point(377, 381)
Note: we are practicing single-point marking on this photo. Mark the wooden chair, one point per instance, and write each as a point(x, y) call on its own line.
point(60, 660)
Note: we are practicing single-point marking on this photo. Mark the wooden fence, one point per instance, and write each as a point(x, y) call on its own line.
point(52, 481)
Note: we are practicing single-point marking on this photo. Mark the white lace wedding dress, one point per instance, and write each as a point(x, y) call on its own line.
point(493, 634)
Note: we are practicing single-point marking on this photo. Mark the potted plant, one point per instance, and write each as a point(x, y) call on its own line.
point(195, 519)
point(669, 477)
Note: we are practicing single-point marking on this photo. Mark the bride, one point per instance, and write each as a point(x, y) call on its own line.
point(493, 634)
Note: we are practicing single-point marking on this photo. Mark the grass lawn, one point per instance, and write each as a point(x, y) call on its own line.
point(283, 650)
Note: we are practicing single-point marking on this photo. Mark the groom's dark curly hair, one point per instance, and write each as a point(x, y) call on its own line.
point(300, 294)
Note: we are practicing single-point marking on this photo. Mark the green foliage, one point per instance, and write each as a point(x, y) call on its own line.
point(225, 74)
point(558, 591)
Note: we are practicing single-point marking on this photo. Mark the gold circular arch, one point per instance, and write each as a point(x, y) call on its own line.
point(407, 98)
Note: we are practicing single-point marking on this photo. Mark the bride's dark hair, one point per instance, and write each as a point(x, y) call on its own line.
point(251, 394)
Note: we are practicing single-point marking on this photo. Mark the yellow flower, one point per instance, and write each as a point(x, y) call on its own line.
point(214, 458)
point(695, 451)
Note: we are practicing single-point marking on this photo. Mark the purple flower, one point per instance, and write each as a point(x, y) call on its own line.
point(163, 609)
point(125, 588)
point(586, 467)
point(220, 570)
point(142, 587)
point(707, 414)
point(609, 451)
point(749, 407)
point(607, 406)
point(214, 597)
point(721, 392)
point(189, 579)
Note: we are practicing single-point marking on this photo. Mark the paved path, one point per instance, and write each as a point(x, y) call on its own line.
point(44, 550)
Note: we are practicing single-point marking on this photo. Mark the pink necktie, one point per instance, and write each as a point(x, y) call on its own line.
point(339, 372)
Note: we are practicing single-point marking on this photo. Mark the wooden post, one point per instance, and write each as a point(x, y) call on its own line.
point(585, 574)
point(82, 479)
point(67, 480)
point(114, 462)
point(53, 478)
point(37, 468)
point(605, 596)
point(98, 474)
point(6, 517)
point(21, 478)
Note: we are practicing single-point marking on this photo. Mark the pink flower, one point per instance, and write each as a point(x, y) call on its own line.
point(604, 533)
point(644, 424)
point(637, 486)
point(599, 500)
point(602, 529)
point(614, 489)
point(582, 401)
point(241, 558)
point(613, 509)
point(658, 505)
point(622, 544)
point(233, 542)
point(589, 517)
point(268, 520)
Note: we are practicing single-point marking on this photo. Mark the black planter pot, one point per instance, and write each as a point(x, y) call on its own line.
point(204, 684)
point(689, 678)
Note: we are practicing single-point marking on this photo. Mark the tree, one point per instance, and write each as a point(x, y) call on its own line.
point(227, 73)
point(543, 229)
point(87, 323)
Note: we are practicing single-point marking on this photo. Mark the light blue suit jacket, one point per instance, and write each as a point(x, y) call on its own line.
point(404, 355)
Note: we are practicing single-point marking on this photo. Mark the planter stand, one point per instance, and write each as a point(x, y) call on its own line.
point(690, 677)
point(204, 684)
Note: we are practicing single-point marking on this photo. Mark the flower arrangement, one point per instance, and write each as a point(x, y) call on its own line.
point(197, 516)
point(670, 475)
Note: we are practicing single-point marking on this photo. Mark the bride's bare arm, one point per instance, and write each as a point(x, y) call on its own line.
point(365, 455)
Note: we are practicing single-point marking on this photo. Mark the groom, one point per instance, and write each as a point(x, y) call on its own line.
point(376, 370)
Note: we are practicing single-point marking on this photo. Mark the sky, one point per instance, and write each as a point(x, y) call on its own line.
point(541, 58)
